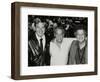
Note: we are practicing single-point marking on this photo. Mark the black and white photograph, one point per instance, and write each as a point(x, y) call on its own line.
point(57, 40)
point(50, 40)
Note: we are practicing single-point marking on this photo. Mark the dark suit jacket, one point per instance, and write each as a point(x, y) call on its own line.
point(74, 56)
point(35, 57)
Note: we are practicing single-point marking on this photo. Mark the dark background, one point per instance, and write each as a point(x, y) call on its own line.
point(68, 23)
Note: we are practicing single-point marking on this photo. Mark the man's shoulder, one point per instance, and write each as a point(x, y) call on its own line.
point(75, 42)
point(69, 40)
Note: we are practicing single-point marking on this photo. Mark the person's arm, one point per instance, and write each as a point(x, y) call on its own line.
point(51, 51)
point(33, 54)
point(71, 55)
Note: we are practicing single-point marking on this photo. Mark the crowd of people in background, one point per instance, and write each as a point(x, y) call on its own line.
point(51, 22)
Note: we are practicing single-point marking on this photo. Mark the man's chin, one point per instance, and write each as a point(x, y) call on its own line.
point(59, 41)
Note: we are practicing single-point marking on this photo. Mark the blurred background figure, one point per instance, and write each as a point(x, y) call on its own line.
point(68, 24)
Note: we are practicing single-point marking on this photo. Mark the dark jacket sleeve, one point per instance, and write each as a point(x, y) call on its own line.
point(71, 56)
point(33, 54)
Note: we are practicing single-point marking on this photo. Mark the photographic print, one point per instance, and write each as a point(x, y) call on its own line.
point(51, 40)
point(64, 40)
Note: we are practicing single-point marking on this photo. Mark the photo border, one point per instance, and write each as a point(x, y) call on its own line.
point(15, 39)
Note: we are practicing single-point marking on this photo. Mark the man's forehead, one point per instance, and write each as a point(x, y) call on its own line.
point(59, 31)
point(80, 31)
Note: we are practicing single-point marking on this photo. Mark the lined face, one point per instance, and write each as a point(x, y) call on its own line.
point(59, 35)
point(80, 35)
point(40, 29)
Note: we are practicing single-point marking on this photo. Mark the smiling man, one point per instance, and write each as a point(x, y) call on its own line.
point(78, 51)
point(38, 47)
point(59, 48)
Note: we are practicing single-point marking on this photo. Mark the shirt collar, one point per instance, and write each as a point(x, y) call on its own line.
point(43, 37)
point(56, 42)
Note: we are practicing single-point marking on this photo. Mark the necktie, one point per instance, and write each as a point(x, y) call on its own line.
point(41, 45)
point(41, 51)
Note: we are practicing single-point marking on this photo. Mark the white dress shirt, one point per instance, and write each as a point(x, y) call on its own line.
point(43, 40)
point(59, 55)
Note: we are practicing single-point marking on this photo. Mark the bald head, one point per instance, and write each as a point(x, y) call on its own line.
point(59, 34)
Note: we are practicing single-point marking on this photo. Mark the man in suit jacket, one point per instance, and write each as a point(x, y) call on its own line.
point(38, 46)
point(78, 50)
